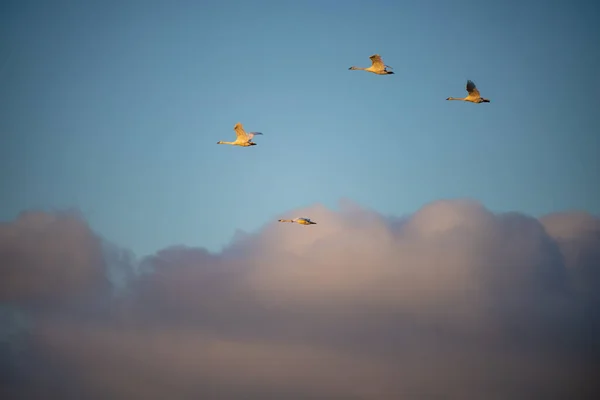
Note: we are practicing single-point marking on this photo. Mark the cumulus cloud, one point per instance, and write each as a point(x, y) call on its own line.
point(578, 236)
point(452, 302)
point(47, 258)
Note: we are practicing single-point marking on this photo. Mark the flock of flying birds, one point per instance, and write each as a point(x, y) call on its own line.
point(244, 139)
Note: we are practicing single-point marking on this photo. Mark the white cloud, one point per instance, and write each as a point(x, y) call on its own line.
point(454, 301)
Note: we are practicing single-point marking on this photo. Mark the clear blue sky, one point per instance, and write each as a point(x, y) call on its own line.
point(115, 108)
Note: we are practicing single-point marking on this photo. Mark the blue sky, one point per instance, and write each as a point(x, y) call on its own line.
point(115, 108)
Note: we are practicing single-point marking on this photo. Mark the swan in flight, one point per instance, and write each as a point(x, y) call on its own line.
point(299, 220)
point(473, 97)
point(377, 66)
point(243, 139)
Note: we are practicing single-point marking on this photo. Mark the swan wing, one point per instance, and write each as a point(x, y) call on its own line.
point(251, 134)
point(240, 133)
point(377, 62)
point(472, 89)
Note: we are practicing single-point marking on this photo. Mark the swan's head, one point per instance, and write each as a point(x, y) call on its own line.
point(352, 68)
point(448, 98)
point(219, 142)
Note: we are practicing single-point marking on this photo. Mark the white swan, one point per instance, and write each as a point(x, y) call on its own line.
point(243, 139)
point(299, 220)
point(473, 97)
point(377, 66)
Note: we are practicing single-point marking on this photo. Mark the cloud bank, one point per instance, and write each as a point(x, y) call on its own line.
point(453, 302)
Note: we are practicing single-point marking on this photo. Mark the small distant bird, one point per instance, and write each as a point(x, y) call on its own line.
point(243, 139)
point(377, 66)
point(299, 220)
point(473, 97)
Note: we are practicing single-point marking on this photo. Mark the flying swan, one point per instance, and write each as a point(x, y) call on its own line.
point(377, 66)
point(299, 220)
point(243, 139)
point(473, 97)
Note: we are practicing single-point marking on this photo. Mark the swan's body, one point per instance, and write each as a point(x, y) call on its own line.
point(377, 66)
point(299, 220)
point(243, 138)
point(473, 97)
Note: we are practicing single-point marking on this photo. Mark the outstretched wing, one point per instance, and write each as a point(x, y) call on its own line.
point(377, 61)
point(472, 89)
point(240, 132)
point(251, 134)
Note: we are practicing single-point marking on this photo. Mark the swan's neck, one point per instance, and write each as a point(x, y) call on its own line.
point(358, 68)
point(222, 142)
point(455, 98)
